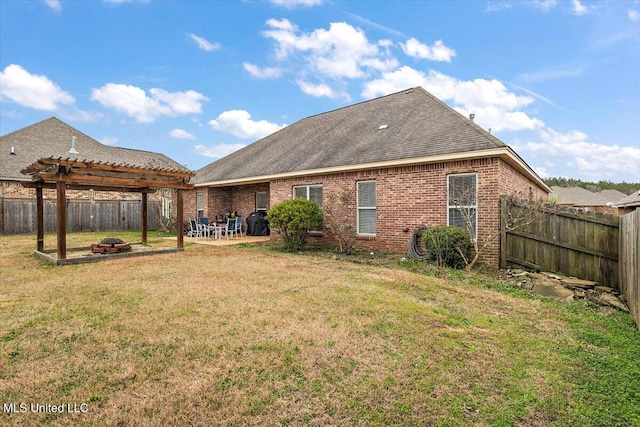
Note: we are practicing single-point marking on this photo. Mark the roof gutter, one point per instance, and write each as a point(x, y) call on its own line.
point(506, 153)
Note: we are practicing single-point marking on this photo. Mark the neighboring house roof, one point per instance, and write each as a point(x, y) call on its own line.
point(577, 196)
point(407, 127)
point(629, 201)
point(52, 138)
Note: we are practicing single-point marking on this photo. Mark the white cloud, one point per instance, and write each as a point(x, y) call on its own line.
point(262, 73)
point(437, 52)
point(125, 1)
point(633, 15)
point(32, 90)
point(545, 5)
point(109, 140)
point(181, 134)
point(204, 44)
point(134, 101)
point(239, 124)
point(498, 6)
point(217, 151)
point(579, 9)
point(318, 90)
point(591, 158)
point(494, 106)
point(54, 5)
point(291, 4)
point(376, 26)
point(560, 71)
point(342, 51)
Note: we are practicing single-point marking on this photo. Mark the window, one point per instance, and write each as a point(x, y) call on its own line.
point(309, 192)
point(367, 207)
point(261, 201)
point(462, 202)
point(200, 205)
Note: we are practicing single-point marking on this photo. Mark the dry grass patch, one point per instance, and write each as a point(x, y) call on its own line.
point(237, 336)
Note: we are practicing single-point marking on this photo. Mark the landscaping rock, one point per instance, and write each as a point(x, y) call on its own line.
point(553, 276)
point(604, 289)
point(611, 300)
point(552, 289)
point(572, 282)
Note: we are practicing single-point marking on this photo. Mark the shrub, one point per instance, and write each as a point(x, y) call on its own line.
point(334, 209)
point(293, 219)
point(449, 246)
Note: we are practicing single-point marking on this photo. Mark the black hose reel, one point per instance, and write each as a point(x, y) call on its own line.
point(415, 249)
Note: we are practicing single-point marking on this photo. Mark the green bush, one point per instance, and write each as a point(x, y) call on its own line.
point(293, 219)
point(449, 246)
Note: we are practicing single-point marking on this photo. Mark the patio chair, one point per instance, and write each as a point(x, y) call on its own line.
point(239, 225)
point(194, 231)
point(203, 226)
point(230, 228)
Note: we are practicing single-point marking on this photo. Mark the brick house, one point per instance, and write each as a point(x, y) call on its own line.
point(398, 157)
point(54, 138)
point(583, 200)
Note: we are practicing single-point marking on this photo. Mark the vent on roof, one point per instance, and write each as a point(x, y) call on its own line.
point(383, 127)
point(409, 91)
point(13, 151)
point(472, 116)
point(73, 146)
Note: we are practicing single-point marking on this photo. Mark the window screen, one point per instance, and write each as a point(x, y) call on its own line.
point(367, 207)
point(261, 201)
point(309, 192)
point(462, 203)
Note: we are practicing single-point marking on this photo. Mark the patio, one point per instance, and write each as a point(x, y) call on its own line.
point(225, 242)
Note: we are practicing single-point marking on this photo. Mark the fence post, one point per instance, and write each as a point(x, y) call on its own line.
point(503, 232)
point(2, 230)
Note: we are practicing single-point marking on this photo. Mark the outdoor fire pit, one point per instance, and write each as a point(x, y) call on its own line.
point(110, 245)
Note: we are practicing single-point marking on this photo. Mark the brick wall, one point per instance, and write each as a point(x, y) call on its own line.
point(410, 196)
point(407, 197)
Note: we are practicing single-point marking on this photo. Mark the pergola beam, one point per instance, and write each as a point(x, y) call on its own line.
point(53, 186)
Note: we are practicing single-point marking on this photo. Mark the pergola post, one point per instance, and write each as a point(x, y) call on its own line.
point(61, 230)
point(179, 219)
point(144, 218)
point(40, 219)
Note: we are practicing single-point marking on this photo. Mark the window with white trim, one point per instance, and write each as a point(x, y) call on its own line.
point(367, 210)
point(200, 205)
point(462, 202)
point(309, 192)
point(261, 201)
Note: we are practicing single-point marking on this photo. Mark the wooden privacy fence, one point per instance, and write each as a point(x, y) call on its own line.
point(630, 262)
point(18, 216)
point(583, 246)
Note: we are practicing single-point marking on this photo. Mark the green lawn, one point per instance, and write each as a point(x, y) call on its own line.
point(253, 336)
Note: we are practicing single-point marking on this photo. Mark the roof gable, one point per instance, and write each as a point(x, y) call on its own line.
point(417, 125)
point(52, 138)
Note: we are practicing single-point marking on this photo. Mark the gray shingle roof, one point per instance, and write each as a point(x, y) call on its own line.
point(52, 138)
point(418, 125)
point(629, 201)
point(578, 196)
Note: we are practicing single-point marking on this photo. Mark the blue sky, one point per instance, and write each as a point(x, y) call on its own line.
point(558, 80)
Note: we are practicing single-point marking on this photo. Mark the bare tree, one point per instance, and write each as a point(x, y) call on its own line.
point(163, 210)
point(335, 208)
point(463, 212)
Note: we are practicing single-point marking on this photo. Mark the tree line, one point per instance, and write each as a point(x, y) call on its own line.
point(623, 187)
